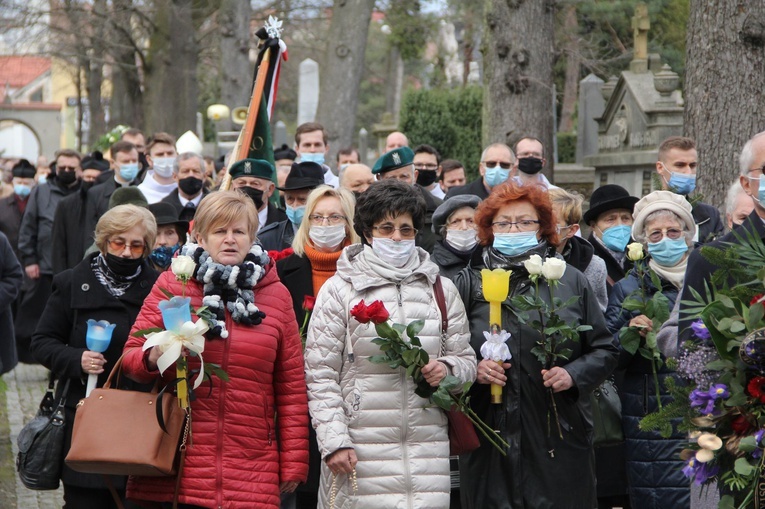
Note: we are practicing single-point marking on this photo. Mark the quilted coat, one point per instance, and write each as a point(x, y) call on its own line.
point(236, 460)
point(400, 439)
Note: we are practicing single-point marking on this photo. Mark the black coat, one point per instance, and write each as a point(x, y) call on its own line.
point(10, 221)
point(277, 236)
point(528, 476)
point(69, 237)
point(96, 203)
point(274, 215)
point(476, 188)
point(449, 262)
point(184, 213)
point(426, 238)
point(615, 271)
point(59, 341)
point(11, 277)
point(708, 221)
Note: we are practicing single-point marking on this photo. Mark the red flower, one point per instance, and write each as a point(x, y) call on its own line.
point(760, 298)
point(278, 255)
point(360, 312)
point(308, 302)
point(377, 312)
point(756, 388)
point(741, 426)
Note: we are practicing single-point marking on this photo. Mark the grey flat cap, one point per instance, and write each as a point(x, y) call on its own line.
point(447, 208)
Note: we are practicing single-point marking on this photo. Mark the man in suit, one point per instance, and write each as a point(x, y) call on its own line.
point(497, 160)
point(189, 174)
point(256, 181)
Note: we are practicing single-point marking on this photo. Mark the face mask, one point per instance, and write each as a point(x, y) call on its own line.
point(256, 195)
point(308, 157)
point(682, 183)
point(42, 179)
point(514, 243)
point(530, 165)
point(190, 186)
point(327, 237)
point(760, 190)
point(123, 266)
point(343, 167)
point(426, 177)
point(128, 172)
point(295, 215)
point(668, 252)
point(461, 240)
point(495, 176)
point(86, 185)
point(66, 177)
point(22, 190)
point(616, 238)
point(162, 256)
point(392, 252)
point(163, 166)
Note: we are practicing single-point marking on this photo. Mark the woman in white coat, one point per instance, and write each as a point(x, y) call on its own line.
point(381, 444)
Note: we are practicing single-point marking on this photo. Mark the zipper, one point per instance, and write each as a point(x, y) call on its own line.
point(398, 295)
point(404, 433)
point(268, 420)
point(221, 407)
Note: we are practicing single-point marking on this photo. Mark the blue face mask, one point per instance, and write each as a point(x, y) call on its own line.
point(495, 176)
point(512, 244)
point(616, 238)
point(162, 256)
point(682, 183)
point(128, 172)
point(668, 252)
point(317, 157)
point(22, 190)
point(295, 215)
point(760, 190)
point(42, 179)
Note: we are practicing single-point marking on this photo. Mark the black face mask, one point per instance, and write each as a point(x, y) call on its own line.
point(84, 186)
point(530, 165)
point(190, 186)
point(123, 266)
point(66, 178)
point(426, 177)
point(256, 195)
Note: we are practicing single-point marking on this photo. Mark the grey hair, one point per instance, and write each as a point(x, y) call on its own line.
point(662, 214)
point(746, 159)
point(185, 157)
point(731, 197)
point(498, 145)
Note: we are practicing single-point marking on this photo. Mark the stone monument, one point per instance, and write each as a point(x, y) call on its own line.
point(308, 91)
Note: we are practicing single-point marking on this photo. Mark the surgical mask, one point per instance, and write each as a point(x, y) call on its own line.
point(22, 190)
point(392, 252)
point(617, 237)
point(514, 243)
point(760, 190)
point(682, 183)
point(343, 167)
point(295, 214)
point(190, 186)
point(461, 240)
point(495, 176)
point(163, 166)
point(308, 157)
point(530, 165)
point(161, 256)
point(668, 252)
point(128, 172)
point(426, 177)
point(327, 237)
point(42, 179)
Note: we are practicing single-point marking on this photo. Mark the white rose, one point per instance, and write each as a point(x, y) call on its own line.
point(635, 251)
point(533, 265)
point(183, 267)
point(553, 269)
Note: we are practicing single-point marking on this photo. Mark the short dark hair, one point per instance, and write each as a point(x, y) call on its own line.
point(348, 151)
point(133, 131)
point(67, 152)
point(122, 146)
point(427, 149)
point(309, 127)
point(449, 165)
point(532, 138)
point(167, 139)
point(387, 198)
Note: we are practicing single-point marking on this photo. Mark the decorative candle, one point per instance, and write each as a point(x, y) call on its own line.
point(97, 337)
point(496, 285)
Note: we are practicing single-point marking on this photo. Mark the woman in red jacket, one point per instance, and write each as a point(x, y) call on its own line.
point(236, 460)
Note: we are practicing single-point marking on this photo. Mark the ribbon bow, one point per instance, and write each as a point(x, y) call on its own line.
point(190, 336)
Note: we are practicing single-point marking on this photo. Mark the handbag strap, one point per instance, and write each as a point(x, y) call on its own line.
point(438, 292)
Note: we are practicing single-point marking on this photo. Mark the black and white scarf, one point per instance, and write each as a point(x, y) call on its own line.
point(114, 283)
point(229, 286)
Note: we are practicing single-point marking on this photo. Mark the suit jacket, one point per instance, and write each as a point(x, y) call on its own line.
point(184, 213)
point(708, 221)
point(277, 236)
point(10, 221)
point(275, 215)
point(476, 188)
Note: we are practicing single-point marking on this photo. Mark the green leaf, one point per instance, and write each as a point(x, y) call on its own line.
point(423, 356)
point(631, 304)
point(719, 365)
point(650, 340)
point(756, 312)
point(565, 353)
point(410, 357)
point(442, 398)
point(378, 359)
point(737, 327)
point(414, 328)
point(743, 467)
point(386, 331)
point(415, 341)
point(143, 332)
point(216, 370)
point(726, 301)
point(661, 308)
point(450, 383)
point(726, 502)
point(736, 399)
point(630, 339)
point(166, 293)
point(748, 444)
point(655, 279)
point(399, 328)
point(583, 328)
point(724, 324)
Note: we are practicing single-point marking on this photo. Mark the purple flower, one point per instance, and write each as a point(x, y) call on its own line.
point(710, 408)
point(719, 391)
point(757, 453)
point(700, 330)
point(704, 472)
point(689, 470)
point(700, 398)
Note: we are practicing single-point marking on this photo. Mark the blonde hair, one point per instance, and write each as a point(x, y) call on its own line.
point(223, 208)
point(347, 203)
point(569, 203)
point(122, 218)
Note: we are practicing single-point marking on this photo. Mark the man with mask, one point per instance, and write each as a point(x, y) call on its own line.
point(311, 145)
point(189, 175)
point(497, 160)
point(356, 178)
point(12, 207)
point(136, 137)
point(427, 162)
point(530, 161)
point(610, 217)
point(253, 177)
point(159, 181)
point(303, 178)
point(345, 157)
point(677, 166)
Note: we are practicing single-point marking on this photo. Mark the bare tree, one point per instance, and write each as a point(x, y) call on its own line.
point(571, 53)
point(236, 71)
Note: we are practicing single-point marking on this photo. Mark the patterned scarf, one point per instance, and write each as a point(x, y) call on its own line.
point(229, 286)
point(114, 283)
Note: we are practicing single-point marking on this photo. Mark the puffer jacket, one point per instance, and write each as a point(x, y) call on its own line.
point(236, 460)
point(400, 439)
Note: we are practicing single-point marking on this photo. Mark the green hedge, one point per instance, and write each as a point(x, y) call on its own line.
point(566, 147)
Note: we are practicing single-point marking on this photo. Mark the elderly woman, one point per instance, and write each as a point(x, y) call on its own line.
point(108, 285)
point(453, 222)
point(664, 224)
point(515, 223)
point(381, 444)
point(171, 235)
point(236, 460)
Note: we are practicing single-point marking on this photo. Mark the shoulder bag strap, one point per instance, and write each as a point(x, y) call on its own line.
point(438, 292)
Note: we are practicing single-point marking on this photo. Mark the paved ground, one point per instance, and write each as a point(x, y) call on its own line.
point(20, 394)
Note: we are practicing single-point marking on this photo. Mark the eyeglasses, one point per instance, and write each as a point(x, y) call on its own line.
point(467, 223)
point(318, 220)
point(525, 225)
point(387, 230)
point(66, 168)
point(492, 164)
point(426, 167)
point(558, 229)
point(672, 233)
point(136, 248)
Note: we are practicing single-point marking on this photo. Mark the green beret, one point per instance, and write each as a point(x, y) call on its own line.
point(393, 160)
point(252, 168)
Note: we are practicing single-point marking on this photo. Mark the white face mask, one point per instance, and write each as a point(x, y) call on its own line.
point(461, 240)
point(163, 166)
point(327, 237)
point(392, 252)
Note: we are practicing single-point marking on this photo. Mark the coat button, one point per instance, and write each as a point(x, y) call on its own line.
point(85, 287)
point(143, 284)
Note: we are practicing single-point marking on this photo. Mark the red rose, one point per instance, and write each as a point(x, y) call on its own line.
point(741, 426)
point(758, 299)
point(308, 302)
point(360, 312)
point(377, 312)
point(756, 388)
point(278, 255)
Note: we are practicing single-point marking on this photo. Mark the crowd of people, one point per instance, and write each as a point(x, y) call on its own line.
point(308, 417)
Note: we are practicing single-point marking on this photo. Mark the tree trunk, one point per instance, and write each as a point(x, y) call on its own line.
point(724, 87)
point(236, 70)
point(341, 71)
point(94, 78)
point(126, 105)
point(573, 63)
point(518, 73)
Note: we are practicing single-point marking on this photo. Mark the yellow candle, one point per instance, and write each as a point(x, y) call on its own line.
point(496, 285)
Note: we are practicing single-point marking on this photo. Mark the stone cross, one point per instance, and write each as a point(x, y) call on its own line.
point(640, 26)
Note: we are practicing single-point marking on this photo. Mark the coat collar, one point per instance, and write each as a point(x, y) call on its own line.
point(87, 291)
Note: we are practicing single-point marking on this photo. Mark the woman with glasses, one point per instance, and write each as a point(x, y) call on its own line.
point(110, 285)
point(318, 243)
point(663, 223)
point(381, 444)
point(514, 223)
point(453, 222)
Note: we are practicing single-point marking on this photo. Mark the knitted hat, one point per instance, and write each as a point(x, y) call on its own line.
point(662, 200)
point(252, 168)
point(450, 206)
point(127, 195)
point(393, 160)
point(24, 169)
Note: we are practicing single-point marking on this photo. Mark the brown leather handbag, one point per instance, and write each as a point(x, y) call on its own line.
point(118, 432)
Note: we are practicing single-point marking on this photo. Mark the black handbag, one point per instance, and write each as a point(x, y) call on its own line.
point(606, 415)
point(41, 443)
